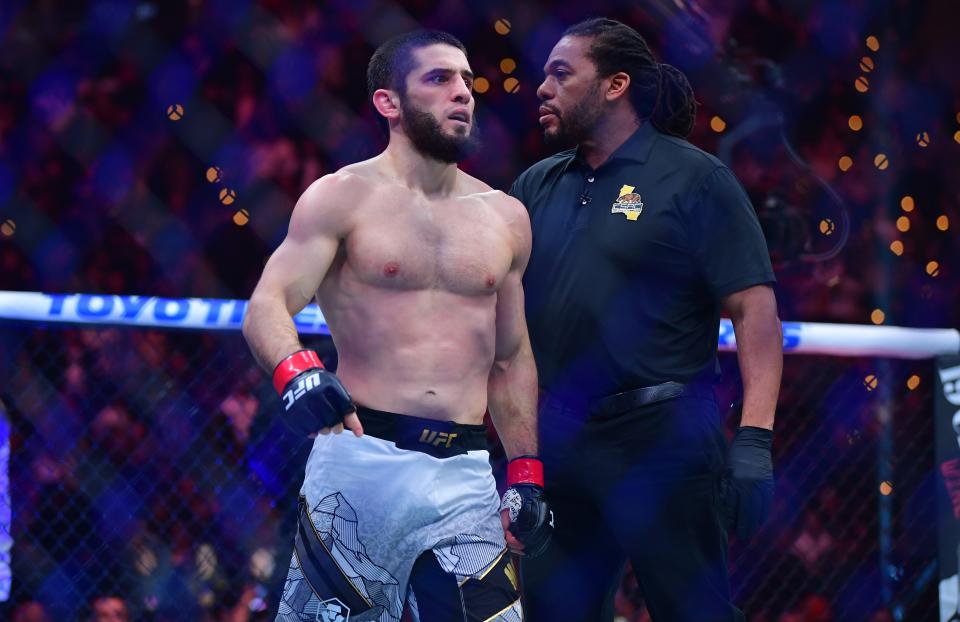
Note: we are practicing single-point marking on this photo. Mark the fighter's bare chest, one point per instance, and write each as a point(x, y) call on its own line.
point(459, 250)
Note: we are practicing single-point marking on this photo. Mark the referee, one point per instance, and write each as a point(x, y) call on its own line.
point(639, 240)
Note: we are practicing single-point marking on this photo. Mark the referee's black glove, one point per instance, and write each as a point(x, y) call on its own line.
point(747, 486)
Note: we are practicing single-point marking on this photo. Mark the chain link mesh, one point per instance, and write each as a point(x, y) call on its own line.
point(149, 464)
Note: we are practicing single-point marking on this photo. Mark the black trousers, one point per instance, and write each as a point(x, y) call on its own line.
point(643, 486)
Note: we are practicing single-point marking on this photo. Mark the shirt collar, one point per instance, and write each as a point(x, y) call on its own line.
point(636, 148)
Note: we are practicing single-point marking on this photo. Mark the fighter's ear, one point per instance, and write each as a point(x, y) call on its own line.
point(387, 103)
point(619, 85)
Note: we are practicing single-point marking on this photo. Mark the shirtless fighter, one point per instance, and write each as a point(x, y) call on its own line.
point(416, 266)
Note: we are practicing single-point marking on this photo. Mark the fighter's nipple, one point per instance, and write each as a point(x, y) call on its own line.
point(491, 281)
point(391, 269)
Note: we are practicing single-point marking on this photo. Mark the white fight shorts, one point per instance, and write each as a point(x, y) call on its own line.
point(408, 513)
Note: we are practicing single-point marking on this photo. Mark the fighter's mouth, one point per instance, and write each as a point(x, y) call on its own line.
point(460, 116)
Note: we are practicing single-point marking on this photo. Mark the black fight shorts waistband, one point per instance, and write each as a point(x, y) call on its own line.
point(440, 439)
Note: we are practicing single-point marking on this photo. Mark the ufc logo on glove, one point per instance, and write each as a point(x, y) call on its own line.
point(304, 385)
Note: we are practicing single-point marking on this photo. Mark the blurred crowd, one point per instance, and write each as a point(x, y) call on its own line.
point(151, 484)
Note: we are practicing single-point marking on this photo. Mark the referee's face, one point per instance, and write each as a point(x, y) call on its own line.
point(571, 103)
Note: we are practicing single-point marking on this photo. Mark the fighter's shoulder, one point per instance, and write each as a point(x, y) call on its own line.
point(332, 186)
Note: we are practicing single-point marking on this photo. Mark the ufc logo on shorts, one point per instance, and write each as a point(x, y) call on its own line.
point(436, 439)
point(305, 384)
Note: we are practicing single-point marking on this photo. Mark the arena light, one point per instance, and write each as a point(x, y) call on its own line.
point(897, 247)
point(873, 44)
point(862, 84)
point(866, 64)
point(481, 85)
point(878, 316)
point(717, 124)
point(907, 204)
point(886, 488)
point(175, 112)
point(502, 26)
point(913, 382)
point(214, 174)
point(855, 123)
point(9, 227)
point(903, 224)
point(511, 85)
point(507, 65)
point(880, 161)
point(845, 163)
point(943, 223)
point(923, 139)
point(933, 268)
point(228, 196)
point(241, 217)
point(827, 226)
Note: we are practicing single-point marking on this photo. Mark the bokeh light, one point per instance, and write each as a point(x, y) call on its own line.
point(913, 382)
point(907, 204)
point(877, 316)
point(862, 84)
point(241, 217)
point(845, 163)
point(870, 382)
point(886, 488)
point(903, 224)
point(214, 174)
point(866, 64)
point(502, 26)
point(855, 123)
point(897, 247)
point(481, 85)
point(717, 124)
point(827, 226)
point(228, 196)
point(873, 44)
point(923, 139)
point(881, 162)
point(511, 85)
point(507, 65)
point(174, 112)
point(943, 223)
point(933, 268)
point(8, 228)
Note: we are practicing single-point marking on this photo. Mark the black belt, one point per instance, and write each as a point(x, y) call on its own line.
point(618, 403)
point(440, 439)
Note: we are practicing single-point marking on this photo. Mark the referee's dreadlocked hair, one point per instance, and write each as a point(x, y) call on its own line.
point(660, 92)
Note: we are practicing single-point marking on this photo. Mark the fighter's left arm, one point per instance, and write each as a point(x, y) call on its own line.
point(512, 385)
point(753, 312)
point(512, 401)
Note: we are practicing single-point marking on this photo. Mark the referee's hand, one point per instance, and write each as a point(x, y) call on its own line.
point(747, 487)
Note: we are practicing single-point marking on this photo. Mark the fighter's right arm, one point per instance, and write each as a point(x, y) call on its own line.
point(295, 270)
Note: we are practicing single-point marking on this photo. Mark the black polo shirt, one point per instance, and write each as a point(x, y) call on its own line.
point(630, 262)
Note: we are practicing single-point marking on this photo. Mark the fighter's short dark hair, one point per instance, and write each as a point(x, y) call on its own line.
point(393, 61)
point(659, 92)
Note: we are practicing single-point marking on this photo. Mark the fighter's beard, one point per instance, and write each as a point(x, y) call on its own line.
point(428, 137)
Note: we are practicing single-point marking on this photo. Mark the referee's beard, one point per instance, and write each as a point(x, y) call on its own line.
point(577, 124)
